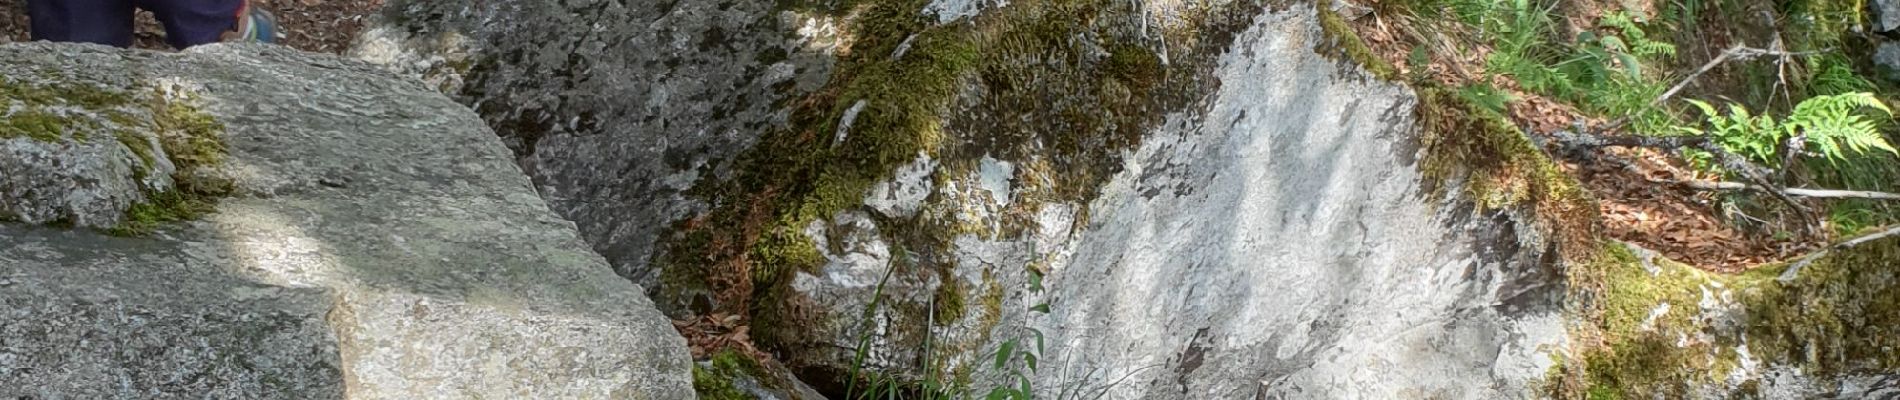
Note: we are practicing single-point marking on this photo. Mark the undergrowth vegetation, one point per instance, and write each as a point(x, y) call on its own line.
point(1808, 104)
point(1801, 105)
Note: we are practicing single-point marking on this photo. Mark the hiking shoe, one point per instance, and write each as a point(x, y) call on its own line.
point(255, 25)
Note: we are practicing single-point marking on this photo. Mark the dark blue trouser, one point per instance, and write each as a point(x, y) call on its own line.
point(109, 22)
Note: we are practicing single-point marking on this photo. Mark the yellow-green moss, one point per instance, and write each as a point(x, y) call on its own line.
point(192, 141)
point(189, 138)
point(32, 118)
point(1343, 41)
point(36, 125)
point(949, 299)
point(716, 382)
point(1619, 294)
point(1838, 316)
point(1841, 314)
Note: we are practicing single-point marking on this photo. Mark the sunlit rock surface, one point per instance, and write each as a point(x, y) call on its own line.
point(378, 243)
point(1281, 244)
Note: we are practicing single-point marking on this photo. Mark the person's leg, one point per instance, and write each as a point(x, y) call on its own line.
point(195, 22)
point(107, 22)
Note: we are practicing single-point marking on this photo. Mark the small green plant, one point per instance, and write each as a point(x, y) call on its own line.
point(1834, 74)
point(1834, 126)
point(1487, 96)
point(1014, 360)
point(1602, 72)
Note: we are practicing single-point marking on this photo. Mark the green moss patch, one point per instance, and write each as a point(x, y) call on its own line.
point(188, 138)
point(192, 141)
point(34, 109)
point(1837, 316)
point(715, 382)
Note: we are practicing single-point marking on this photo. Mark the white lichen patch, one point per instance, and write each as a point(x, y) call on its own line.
point(948, 11)
point(904, 193)
point(1649, 321)
point(816, 33)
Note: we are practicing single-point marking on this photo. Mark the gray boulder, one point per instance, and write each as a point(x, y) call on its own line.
point(372, 240)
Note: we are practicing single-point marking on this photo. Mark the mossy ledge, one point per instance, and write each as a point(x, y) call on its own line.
point(1477, 151)
point(189, 139)
point(1661, 327)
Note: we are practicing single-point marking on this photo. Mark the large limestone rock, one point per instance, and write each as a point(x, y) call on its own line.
point(1283, 243)
point(1277, 240)
point(373, 241)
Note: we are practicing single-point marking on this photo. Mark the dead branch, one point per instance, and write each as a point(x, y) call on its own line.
point(1576, 143)
point(1799, 192)
point(1794, 270)
point(1582, 141)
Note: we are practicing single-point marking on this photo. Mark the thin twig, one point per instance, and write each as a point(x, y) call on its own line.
point(1737, 52)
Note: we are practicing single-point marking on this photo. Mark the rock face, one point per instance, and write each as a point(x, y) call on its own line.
point(1281, 244)
point(1172, 200)
point(614, 108)
point(374, 241)
point(1888, 13)
point(1250, 244)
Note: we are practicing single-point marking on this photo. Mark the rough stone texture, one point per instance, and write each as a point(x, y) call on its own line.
point(951, 10)
point(88, 183)
point(1279, 242)
point(380, 244)
point(1887, 58)
point(1887, 13)
point(1259, 245)
point(94, 317)
point(614, 108)
point(1272, 238)
point(66, 162)
point(1281, 245)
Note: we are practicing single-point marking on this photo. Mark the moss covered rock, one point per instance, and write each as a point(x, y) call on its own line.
point(1822, 329)
point(88, 152)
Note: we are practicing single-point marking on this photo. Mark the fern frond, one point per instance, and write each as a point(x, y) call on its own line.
point(1837, 124)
